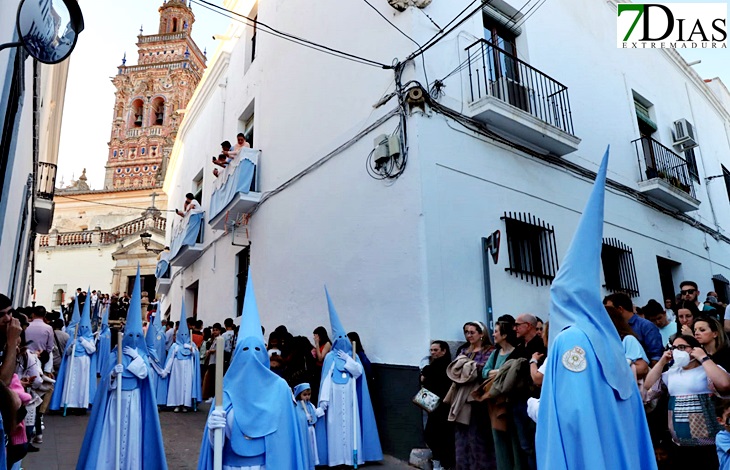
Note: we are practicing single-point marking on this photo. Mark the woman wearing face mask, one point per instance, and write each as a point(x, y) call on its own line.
point(692, 420)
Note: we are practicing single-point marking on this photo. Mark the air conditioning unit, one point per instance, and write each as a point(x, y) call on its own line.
point(684, 136)
point(512, 92)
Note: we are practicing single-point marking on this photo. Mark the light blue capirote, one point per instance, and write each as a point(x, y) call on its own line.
point(182, 337)
point(605, 429)
point(103, 344)
point(75, 318)
point(83, 324)
point(153, 452)
point(157, 355)
point(263, 428)
point(370, 450)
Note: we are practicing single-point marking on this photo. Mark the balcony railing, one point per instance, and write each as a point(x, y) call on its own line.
point(235, 191)
point(46, 180)
point(497, 73)
point(657, 161)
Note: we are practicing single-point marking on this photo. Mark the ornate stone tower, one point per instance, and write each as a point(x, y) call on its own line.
point(149, 97)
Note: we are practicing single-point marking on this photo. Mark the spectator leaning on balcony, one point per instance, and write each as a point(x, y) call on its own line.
point(192, 206)
point(240, 144)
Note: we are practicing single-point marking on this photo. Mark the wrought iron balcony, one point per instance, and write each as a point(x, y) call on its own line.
point(515, 97)
point(46, 180)
point(664, 175)
point(187, 240)
point(45, 189)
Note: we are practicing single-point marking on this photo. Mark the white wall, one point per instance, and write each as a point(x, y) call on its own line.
point(403, 261)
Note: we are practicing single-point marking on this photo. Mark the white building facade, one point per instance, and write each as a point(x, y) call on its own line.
point(31, 106)
point(508, 140)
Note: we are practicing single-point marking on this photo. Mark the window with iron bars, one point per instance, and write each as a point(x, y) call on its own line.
point(619, 270)
point(531, 247)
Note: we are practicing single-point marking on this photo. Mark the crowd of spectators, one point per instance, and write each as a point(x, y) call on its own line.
point(677, 350)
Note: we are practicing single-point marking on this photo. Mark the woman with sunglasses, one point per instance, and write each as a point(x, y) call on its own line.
point(690, 382)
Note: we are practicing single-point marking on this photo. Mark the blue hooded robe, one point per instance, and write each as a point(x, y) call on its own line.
point(333, 374)
point(185, 358)
point(312, 429)
point(83, 324)
point(605, 429)
point(262, 422)
point(157, 355)
point(101, 423)
point(103, 344)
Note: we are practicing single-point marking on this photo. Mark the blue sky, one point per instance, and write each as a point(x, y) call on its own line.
point(111, 30)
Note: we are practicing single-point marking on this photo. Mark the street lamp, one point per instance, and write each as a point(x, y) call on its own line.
point(48, 30)
point(146, 237)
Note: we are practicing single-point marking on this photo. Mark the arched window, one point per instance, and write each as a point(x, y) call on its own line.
point(136, 114)
point(158, 112)
point(163, 26)
point(174, 25)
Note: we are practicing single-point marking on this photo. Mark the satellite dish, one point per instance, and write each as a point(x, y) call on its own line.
point(48, 29)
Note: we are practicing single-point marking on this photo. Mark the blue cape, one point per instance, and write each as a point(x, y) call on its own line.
point(606, 428)
point(155, 340)
point(597, 432)
point(84, 331)
point(181, 337)
point(264, 426)
point(104, 343)
point(371, 450)
point(153, 452)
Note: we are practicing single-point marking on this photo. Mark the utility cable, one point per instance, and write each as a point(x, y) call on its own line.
point(108, 204)
point(293, 38)
point(423, 60)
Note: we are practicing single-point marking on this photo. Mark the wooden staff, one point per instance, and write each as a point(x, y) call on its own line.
point(218, 433)
point(118, 449)
point(355, 423)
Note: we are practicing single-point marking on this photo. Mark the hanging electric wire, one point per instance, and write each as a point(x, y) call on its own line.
point(108, 204)
point(263, 27)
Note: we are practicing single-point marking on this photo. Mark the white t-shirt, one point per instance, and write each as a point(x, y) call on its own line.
point(686, 382)
point(194, 207)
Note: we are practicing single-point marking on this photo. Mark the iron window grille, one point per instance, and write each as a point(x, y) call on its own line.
point(619, 269)
point(531, 247)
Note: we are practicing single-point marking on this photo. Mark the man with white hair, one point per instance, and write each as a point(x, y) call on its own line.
point(529, 343)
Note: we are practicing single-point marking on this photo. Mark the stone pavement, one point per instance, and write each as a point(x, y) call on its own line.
point(182, 433)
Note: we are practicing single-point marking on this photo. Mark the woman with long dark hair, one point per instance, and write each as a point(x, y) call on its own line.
point(322, 345)
point(439, 432)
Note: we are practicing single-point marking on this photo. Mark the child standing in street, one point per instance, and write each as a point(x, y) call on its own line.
point(314, 436)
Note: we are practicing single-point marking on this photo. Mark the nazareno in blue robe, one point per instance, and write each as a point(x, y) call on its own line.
point(262, 424)
point(155, 341)
point(84, 331)
point(152, 449)
point(580, 408)
point(265, 430)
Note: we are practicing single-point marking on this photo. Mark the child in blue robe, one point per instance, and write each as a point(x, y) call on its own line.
point(313, 433)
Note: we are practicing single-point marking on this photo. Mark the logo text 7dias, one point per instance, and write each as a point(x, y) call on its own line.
point(672, 25)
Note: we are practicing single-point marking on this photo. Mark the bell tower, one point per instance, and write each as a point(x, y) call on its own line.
point(149, 98)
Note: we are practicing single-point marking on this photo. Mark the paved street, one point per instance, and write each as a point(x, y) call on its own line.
point(182, 434)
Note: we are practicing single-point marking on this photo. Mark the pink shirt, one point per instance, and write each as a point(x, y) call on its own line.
point(41, 336)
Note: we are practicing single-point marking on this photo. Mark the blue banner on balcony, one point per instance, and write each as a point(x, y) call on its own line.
point(162, 269)
point(187, 235)
point(238, 181)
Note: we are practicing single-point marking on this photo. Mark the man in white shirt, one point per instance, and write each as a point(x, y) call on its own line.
point(192, 206)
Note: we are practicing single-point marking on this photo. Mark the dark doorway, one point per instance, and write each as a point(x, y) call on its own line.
point(666, 269)
point(191, 299)
point(148, 281)
point(721, 284)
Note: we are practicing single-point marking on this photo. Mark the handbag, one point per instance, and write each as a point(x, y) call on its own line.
point(427, 400)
